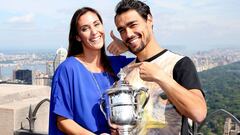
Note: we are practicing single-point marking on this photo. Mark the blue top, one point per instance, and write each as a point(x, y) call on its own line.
point(75, 94)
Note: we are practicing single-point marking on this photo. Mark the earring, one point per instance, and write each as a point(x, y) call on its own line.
point(78, 39)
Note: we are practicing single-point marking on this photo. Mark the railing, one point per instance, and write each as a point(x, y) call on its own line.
point(32, 117)
point(213, 114)
point(31, 120)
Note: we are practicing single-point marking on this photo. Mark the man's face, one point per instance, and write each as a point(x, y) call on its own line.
point(134, 30)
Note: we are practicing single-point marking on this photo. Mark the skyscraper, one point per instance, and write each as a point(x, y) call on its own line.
point(61, 55)
point(0, 73)
point(24, 76)
point(49, 68)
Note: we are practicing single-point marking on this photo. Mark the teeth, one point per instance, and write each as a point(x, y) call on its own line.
point(95, 39)
point(133, 40)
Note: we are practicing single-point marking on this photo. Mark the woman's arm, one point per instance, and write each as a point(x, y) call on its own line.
point(70, 127)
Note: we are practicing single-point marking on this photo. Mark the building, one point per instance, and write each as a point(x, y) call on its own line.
point(23, 76)
point(49, 68)
point(46, 78)
point(1, 73)
point(15, 102)
point(41, 79)
point(61, 55)
point(231, 128)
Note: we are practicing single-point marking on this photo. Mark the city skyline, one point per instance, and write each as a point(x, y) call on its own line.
point(184, 25)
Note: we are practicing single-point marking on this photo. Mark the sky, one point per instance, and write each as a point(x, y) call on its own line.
point(178, 24)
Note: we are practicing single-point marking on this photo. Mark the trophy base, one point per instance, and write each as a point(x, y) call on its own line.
point(125, 130)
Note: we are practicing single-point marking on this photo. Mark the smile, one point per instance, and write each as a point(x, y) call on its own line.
point(95, 39)
point(132, 40)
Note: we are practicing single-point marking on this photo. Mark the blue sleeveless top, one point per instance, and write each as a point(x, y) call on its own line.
point(76, 92)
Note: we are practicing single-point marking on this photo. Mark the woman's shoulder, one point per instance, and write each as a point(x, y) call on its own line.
point(69, 60)
point(68, 67)
point(68, 63)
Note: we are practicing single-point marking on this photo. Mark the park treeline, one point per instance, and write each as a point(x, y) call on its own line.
point(222, 91)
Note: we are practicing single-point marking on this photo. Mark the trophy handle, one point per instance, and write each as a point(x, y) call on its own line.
point(145, 90)
point(102, 104)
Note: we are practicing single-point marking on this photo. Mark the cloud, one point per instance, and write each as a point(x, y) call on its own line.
point(28, 18)
point(47, 22)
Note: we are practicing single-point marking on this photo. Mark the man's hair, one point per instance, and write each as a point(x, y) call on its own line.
point(139, 6)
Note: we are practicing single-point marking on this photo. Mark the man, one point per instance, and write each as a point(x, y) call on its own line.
point(174, 87)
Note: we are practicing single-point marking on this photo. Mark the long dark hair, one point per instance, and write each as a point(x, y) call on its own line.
point(75, 47)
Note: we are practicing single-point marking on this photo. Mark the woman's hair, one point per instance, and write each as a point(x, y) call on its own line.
point(75, 47)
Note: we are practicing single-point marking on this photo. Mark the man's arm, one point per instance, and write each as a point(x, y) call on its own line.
point(189, 103)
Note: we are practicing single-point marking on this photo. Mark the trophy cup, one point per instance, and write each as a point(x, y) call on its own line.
point(122, 106)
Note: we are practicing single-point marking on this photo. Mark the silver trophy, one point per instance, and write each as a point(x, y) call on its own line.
point(122, 106)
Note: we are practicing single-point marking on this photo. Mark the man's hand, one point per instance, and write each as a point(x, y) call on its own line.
point(149, 71)
point(116, 47)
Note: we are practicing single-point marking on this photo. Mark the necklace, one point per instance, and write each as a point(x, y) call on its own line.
point(98, 86)
point(82, 60)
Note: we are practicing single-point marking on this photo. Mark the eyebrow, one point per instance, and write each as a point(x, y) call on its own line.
point(97, 21)
point(86, 25)
point(129, 23)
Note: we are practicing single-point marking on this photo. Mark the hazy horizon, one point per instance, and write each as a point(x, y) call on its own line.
point(178, 49)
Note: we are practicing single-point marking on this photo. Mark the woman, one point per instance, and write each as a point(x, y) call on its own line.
point(80, 81)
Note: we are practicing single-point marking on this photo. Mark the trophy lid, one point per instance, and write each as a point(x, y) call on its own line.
point(121, 84)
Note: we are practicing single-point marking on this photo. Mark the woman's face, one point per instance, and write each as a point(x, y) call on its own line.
point(90, 31)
